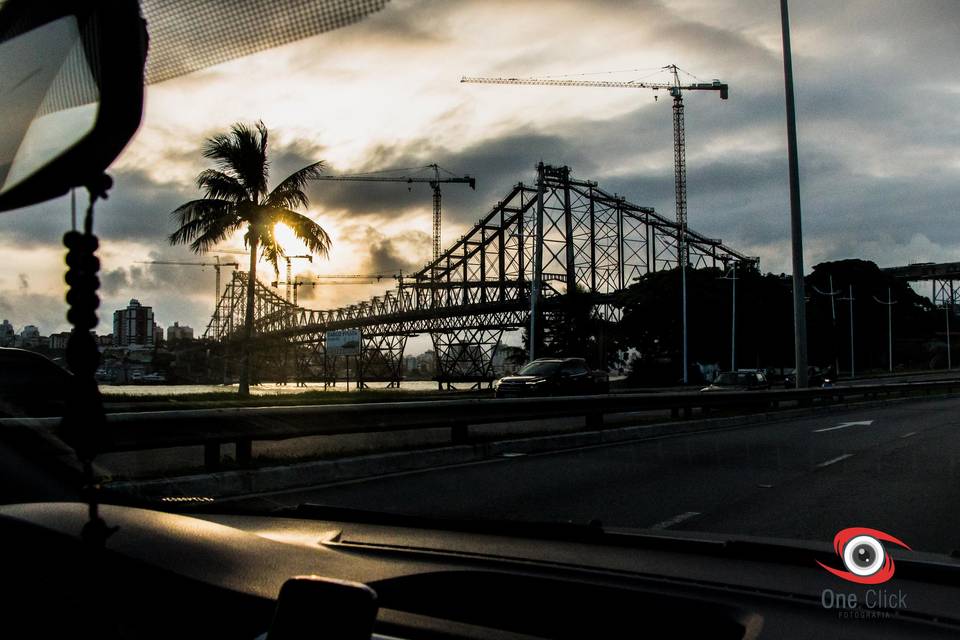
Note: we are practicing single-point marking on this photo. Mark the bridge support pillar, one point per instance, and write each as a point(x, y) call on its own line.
point(381, 358)
point(465, 355)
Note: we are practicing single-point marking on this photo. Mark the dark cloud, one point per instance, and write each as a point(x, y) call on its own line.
point(877, 114)
point(404, 252)
point(137, 209)
point(114, 280)
point(286, 159)
point(187, 279)
point(45, 310)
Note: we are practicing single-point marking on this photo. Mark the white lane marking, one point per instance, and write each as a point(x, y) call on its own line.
point(677, 519)
point(907, 435)
point(511, 454)
point(827, 463)
point(861, 423)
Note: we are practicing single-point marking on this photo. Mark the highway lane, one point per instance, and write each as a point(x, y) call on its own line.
point(895, 468)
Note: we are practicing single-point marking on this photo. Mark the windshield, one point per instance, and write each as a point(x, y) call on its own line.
point(377, 223)
point(540, 369)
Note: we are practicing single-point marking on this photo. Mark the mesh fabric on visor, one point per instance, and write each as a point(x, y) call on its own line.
point(187, 36)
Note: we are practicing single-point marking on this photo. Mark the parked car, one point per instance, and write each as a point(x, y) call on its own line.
point(750, 380)
point(553, 376)
point(816, 377)
point(31, 384)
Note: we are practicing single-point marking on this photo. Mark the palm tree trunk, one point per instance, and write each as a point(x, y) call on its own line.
point(248, 319)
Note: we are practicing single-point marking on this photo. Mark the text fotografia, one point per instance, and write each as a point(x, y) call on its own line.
point(872, 603)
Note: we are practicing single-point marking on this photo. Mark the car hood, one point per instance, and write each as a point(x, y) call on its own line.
point(725, 387)
point(522, 379)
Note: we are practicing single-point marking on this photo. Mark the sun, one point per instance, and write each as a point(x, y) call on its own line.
point(287, 240)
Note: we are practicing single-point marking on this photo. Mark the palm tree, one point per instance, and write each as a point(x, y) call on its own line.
point(236, 197)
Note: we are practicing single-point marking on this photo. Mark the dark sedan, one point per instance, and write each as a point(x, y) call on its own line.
point(31, 384)
point(739, 381)
point(552, 376)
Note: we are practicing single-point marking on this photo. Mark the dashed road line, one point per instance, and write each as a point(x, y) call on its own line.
point(831, 461)
point(845, 425)
point(677, 519)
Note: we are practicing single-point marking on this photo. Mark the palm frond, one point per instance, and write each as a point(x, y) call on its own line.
point(243, 154)
point(215, 233)
point(272, 251)
point(194, 217)
point(220, 185)
point(289, 193)
point(309, 232)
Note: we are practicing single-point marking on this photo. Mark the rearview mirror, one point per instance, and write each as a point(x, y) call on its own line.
point(71, 92)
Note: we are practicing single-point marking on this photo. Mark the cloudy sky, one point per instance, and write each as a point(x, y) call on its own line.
point(878, 102)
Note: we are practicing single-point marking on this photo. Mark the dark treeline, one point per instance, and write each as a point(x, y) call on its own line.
point(650, 330)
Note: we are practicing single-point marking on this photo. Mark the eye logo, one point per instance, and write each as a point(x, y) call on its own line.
point(863, 555)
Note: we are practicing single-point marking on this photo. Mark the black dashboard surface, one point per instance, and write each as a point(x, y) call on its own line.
point(219, 575)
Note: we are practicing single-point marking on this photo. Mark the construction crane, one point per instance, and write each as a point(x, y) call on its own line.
point(434, 181)
point(679, 149)
point(338, 279)
point(289, 281)
point(679, 139)
point(289, 259)
point(216, 292)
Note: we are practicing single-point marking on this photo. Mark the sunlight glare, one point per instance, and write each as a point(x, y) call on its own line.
point(287, 240)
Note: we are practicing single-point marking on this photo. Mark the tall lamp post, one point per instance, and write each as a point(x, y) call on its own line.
point(796, 231)
point(889, 303)
point(833, 316)
point(849, 299)
point(733, 316)
point(949, 310)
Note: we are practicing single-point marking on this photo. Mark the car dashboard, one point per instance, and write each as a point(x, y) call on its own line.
point(164, 574)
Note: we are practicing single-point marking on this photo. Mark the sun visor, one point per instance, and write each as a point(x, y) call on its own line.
point(71, 91)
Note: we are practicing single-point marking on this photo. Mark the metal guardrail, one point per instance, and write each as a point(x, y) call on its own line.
point(140, 431)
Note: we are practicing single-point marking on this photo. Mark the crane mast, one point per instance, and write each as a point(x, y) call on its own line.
point(216, 292)
point(679, 137)
point(679, 153)
point(289, 282)
point(435, 181)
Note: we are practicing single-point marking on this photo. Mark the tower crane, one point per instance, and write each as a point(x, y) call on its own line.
point(434, 181)
point(216, 292)
point(289, 282)
point(679, 149)
point(339, 279)
point(679, 138)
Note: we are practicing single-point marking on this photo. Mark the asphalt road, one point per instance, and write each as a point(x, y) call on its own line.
point(895, 468)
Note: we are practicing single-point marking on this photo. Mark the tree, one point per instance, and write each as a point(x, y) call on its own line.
point(236, 197)
point(570, 326)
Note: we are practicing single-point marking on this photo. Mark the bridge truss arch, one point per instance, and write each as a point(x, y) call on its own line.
point(481, 286)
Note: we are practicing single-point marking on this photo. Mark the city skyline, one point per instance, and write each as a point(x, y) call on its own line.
point(876, 138)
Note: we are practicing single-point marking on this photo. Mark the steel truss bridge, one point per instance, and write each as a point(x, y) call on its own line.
point(944, 280)
point(481, 286)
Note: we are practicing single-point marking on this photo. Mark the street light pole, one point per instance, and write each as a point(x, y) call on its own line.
point(796, 231)
point(889, 304)
point(537, 266)
point(683, 295)
point(949, 363)
point(850, 299)
point(733, 318)
point(833, 293)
